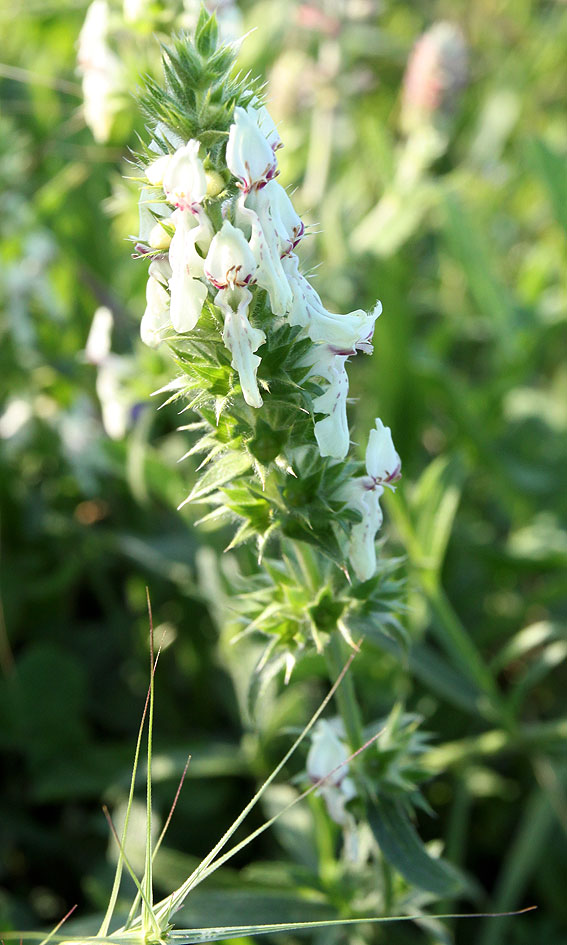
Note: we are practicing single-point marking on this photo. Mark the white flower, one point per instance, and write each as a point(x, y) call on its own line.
point(383, 463)
point(336, 338)
point(332, 433)
point(383, 466)
point(362, 546)
point(230, 261)
point(230, 266)
point(156, 316)
point(188, 293)
point(242, 340)
point(346, 333)
point(328, 752)
point(101, 70)
point(249, 155)
point(265, 245)
point(184, 180)
point(278, 218)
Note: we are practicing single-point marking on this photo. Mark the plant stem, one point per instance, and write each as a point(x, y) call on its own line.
point(336, 656)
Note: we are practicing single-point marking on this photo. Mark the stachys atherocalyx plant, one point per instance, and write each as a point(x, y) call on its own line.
point(263, 362)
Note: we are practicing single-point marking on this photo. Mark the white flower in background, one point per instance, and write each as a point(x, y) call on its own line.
point(184, 179)
point(100, 336)
point(156, 316)
point(383, 466)
point(230, 266)
point(112, 371)
point(101, 71)
point(327, 753)
point(188, 293)
point(249, 156)
point(135, 10)
point(14, 417)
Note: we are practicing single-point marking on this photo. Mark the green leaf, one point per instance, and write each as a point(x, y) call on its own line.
point(206, 33)
point(227, 467)
point(550, 167)
point(470, 246)
point(402, 847)
point(436, 501)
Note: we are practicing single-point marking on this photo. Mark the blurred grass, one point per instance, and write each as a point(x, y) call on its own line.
point(469, 371)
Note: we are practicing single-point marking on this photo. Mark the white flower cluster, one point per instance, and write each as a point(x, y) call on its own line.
point(257, 248)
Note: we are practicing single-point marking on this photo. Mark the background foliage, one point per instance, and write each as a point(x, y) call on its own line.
point(469, 372)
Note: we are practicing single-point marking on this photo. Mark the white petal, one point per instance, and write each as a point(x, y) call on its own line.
point(248, 155)
point(362, 546)
point(327, 752)
point(187, 292)
point(187, 298)
point(242, 340)
point(156, 316)
point(332, 433)
point(277, 216)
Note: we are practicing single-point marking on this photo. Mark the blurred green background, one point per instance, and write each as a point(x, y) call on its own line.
point(449, 203)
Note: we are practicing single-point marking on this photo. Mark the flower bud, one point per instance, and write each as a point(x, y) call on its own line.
point(184, 181)
point(159, 238)
point(215, 183)
point(155, 171)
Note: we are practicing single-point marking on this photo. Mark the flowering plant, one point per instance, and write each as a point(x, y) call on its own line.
point(263, 362)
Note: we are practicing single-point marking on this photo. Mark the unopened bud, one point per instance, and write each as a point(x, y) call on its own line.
point(215, 183)
point(159, 238)
point(155, 171)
